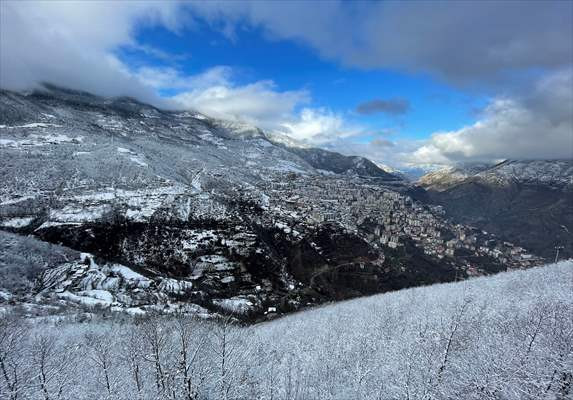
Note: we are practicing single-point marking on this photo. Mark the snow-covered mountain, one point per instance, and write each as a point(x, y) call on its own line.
point(332, 162)
point(554, 173)
point(557, 173)
point(525, 201)
point(128, 207)
point(205, 210)
point(446, 177)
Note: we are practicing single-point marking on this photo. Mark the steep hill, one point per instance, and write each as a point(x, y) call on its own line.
point(333, 162)
point(527, 202)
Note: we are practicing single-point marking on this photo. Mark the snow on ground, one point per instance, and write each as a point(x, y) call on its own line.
point(99, 294)
point(138, 161)
point(5, 296)
point(131, 276)
point(83, 300)
point(32, 125)
point(39, 140)
point(236, 305)
point(174, 286)
point(76, 214)
point(17, 222)
point(287, 166)
point(17, 200)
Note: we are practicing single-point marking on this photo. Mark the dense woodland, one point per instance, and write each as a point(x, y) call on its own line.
point(508, 336)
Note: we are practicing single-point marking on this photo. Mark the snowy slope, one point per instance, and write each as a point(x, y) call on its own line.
point(557, 173)
point(157, 191)
point(501, 337)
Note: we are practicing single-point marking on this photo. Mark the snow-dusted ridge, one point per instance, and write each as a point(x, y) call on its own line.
point(541, 172)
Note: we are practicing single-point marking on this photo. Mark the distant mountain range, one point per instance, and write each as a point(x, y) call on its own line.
point(527, 202)
point(330, 161)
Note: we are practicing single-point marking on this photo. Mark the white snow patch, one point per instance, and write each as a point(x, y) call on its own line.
point(17, 222)
point(16, 201)
point(5, 296)
point(234, 304)
point(99, 294)
point(138, 161)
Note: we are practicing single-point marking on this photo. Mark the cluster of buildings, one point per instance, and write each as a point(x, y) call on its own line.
point(382, 216)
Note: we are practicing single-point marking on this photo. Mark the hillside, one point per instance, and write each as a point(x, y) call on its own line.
point(506, 336)
point(172, 210)
point(526, 202)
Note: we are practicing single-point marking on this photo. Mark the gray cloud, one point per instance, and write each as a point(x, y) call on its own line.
point(71, 44)
point(390, 106)
point(460, 41)
point(382, 143)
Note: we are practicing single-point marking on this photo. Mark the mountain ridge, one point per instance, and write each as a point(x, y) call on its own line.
point(525, 201)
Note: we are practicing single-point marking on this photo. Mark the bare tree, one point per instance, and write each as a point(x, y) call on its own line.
point(12, 344)
point(191, 342)
point(132, 355)
point(101, 353)
point(51, 363)
point(229, 350)
point(156, 339)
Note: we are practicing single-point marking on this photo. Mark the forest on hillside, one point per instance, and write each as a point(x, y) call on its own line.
point(508, 336)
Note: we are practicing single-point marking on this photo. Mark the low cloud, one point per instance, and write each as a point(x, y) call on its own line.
point(536, 126)
point(390, 106)
point(259, 103)
point(319, 127)
point(72, 44)
point(214, 92)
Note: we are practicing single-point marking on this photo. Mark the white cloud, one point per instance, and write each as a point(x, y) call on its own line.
point(214, 93)
point(382, 151)
point(71, 43)
point(318, 126)
point(171, 78)
point(538, 125)
point(260, 103)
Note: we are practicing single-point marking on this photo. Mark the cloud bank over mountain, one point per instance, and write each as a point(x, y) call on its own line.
point(537, 125)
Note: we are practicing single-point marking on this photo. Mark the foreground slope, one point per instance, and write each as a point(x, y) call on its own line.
point(507, 336)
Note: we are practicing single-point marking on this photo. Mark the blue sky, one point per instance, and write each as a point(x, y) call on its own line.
point(291, 65)
point(404, 83)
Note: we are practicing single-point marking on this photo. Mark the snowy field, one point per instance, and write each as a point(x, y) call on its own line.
point(508, 336)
